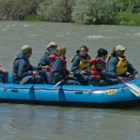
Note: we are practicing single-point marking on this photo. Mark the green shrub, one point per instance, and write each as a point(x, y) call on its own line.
point(98, 11)
point(79, 11)
point(5, 8)
point(56, 10)
point(17, 9)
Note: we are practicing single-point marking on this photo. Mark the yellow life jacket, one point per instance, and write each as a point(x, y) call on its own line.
point(84, 64)
point(121, 67)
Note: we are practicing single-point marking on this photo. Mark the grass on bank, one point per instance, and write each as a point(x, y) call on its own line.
point(128, 19)
point(121, 19)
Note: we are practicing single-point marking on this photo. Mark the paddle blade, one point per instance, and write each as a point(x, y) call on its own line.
point(57, 84)
point(25, 80)
point(134, 89)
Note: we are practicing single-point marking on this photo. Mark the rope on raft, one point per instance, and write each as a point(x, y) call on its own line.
point(16, 88)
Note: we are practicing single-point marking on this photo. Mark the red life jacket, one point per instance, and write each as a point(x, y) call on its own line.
point(94, 73)
point(63, 62)
point(64, 67)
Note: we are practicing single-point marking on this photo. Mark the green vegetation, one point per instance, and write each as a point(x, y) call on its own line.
point(17, 9)
point(125, 12)
point(56, 10)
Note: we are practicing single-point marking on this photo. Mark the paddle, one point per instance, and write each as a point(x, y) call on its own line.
point(58, 83)
point(133, 88)
point(26, 79)
point(63, 80)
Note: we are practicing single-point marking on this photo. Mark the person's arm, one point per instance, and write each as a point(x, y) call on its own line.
point(101, 67)
point(107, 74)
point(36, 67)
point(75, 65)
point(56, 70)
point(111, 65)
point(44, 60)
point(22, 69)
point(56, 67)
point(131, 69)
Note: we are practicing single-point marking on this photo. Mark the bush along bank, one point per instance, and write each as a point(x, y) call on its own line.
point(125, 12)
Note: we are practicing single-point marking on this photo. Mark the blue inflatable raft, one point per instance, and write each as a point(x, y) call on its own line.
point(73, 95)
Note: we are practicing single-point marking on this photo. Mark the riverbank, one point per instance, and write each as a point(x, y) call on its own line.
point(122, 19)
point(128, 19)
point(113, 12)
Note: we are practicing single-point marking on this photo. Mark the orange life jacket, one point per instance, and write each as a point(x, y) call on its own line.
point(63, 62)
point(94, 73)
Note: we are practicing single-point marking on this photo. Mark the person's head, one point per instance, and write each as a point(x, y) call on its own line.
point(51, 46)
point(27, 51)
point(120, 50)
point(113, 52)
point(102, 53)
point(83, 50)
point(61, 50)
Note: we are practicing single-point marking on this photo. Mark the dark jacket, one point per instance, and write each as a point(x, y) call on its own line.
point(54, 75)
point(22, 67)
point(82, 78)
point(75, 63)
point(102, 68)
point(45, 58)
point(113, 61)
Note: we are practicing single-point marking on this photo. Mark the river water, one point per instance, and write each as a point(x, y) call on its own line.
point(61, 123)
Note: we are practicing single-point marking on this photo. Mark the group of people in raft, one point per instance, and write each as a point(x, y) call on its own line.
point(52, 67)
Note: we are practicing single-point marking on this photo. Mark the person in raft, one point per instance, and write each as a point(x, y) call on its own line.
point(119, 65)
point(80, 65)
point(58, 66)
point(67, 76)
point(50, 49)
point(3, 74)
point(22, 68)
point(98, 70)
point(45, 60)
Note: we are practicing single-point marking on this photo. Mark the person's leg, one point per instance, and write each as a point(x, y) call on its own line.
point(71, 82)
point(85, 79)
point(4, 76)
point(107, 82)
point(50, 79)
point(44, 77)
point(37, 80)
point(1, 80)
point(32, 80)
point(82, 79)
